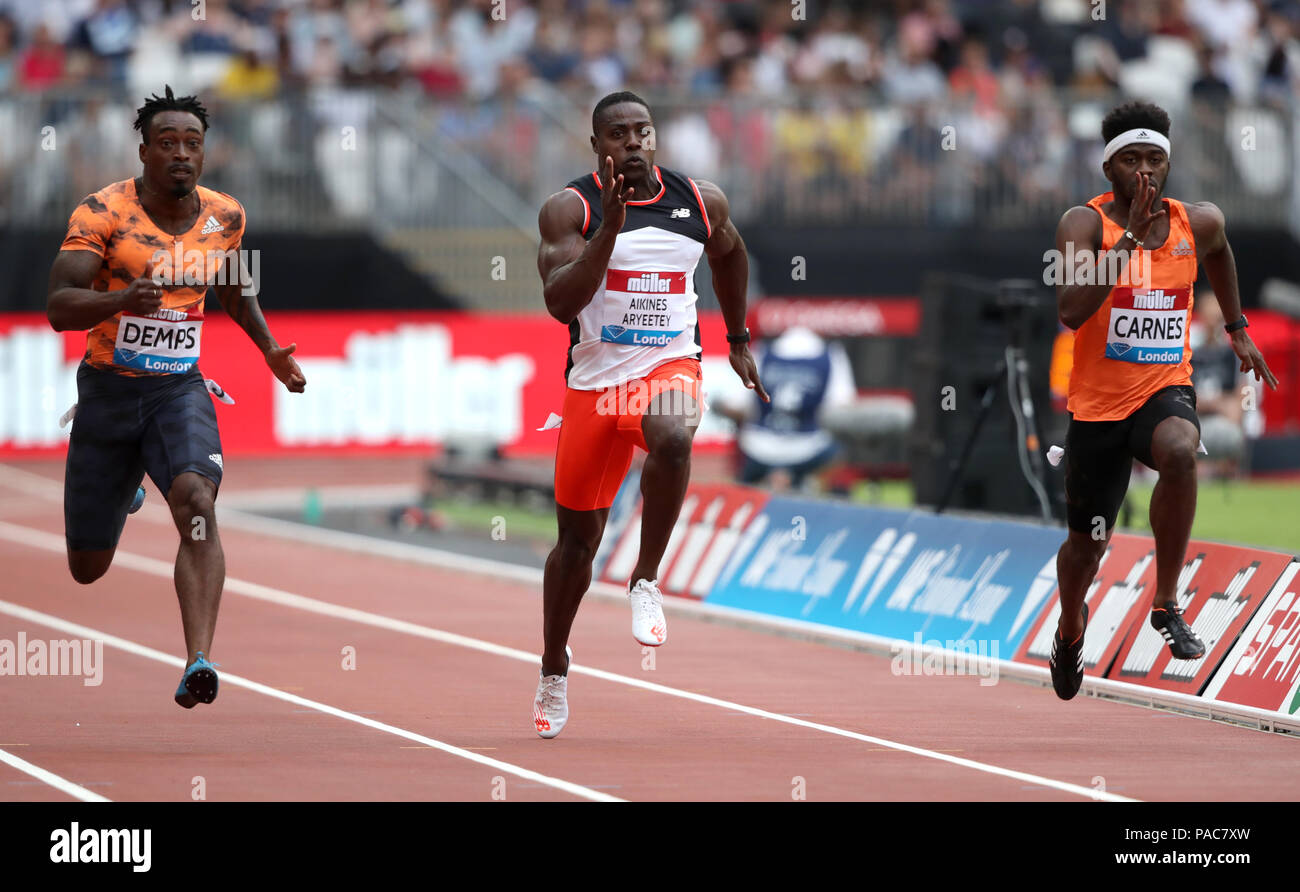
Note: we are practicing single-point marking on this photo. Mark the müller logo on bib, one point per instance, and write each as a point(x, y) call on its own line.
point(645, 283)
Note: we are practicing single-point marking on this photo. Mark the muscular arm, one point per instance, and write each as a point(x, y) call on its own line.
point(1212, 244)
point(1216, 256)
point(1080, 230)
point(730, 265)
point(728, 259)
point(241, 307)
point(71, 304)
point(246, 311)
point(571, 266)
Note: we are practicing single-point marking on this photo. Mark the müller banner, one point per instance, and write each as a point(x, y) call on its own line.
point(376, 381)
point(1263, 668)
point(1220, 587)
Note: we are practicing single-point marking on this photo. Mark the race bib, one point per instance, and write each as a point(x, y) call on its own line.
point(644, 309)
point(164, 341)
point(1148, 325)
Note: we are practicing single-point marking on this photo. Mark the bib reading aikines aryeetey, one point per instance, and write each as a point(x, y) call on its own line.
point(1137, 343)
point(643, 311)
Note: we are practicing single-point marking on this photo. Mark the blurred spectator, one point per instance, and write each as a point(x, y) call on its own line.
point(1227, 24)
point(1280, 51)
point(8, 54)
point(804, 376)
point(109, 33)
point(973, 79)
point(42, 64)
point(1219, 399)
point(910, 76)
point(1208, 85)
point(249, 77)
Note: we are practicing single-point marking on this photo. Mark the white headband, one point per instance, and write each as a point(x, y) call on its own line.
point(1128, 137)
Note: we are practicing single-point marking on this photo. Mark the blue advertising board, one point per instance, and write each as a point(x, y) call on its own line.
point(899, 574)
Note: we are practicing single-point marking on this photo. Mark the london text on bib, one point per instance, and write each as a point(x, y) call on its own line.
point(164, 341)
point(1148, 325)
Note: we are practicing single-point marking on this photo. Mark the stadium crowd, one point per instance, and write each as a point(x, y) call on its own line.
point(823, 108)
point(903, 51)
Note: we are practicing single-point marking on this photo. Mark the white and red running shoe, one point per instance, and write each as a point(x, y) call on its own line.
point(648, 624)
point(551, 703)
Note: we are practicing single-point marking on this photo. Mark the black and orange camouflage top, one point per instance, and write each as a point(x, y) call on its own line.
point(112, 224)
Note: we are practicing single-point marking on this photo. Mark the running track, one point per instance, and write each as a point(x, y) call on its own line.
point(438, 706)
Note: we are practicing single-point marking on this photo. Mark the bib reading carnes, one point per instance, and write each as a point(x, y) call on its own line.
point(1137, 342)
point(112, 224)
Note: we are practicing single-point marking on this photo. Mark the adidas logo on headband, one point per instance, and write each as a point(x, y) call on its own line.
point(1128, 137)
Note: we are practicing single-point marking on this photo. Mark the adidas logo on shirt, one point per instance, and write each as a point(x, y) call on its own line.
point(1183, 249)
point(213, 225)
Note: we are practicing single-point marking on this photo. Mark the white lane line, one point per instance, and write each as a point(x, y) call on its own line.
point(139, 650)
point(61, 784)
point(49, 542)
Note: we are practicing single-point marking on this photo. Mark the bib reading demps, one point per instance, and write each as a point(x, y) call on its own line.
point(1137, 342)
point(112, 224)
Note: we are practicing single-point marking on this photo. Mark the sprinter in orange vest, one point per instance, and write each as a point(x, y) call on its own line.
point(1131, 258)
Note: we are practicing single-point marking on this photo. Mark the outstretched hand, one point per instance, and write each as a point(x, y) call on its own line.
point(613, 197)
point(285, 367)
point(1251, 359)
point(743, 362)
point(1142, 213)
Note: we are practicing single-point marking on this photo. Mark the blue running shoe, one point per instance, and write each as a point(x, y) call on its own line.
point(198, 684)
point(137, 501)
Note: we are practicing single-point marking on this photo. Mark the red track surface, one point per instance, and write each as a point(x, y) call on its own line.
point(127, 740)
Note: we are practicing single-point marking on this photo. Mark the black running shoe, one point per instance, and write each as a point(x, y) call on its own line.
point(1067, 662)
point(1183, 643)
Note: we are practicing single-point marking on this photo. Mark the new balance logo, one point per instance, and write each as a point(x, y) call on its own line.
point(1183, 249)
point(215, 458)
point(213, 225)
point(680, 214)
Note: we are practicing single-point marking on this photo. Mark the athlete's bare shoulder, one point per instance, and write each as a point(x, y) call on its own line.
point(715, 202)
point(1204, 214)
point(1208, 225)
point(1080, 224)
point(561, 214)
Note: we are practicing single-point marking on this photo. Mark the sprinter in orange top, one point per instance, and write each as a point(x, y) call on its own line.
point(137, 261)
point(1130, 388)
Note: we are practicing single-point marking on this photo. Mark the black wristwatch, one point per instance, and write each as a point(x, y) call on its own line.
point(1238, 325)
point(738, 339)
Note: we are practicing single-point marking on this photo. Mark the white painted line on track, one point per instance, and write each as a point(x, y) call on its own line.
point(49, 542)
point(140, 650)
point(63, 785)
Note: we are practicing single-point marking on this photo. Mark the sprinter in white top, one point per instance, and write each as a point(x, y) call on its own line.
point(617, 261)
